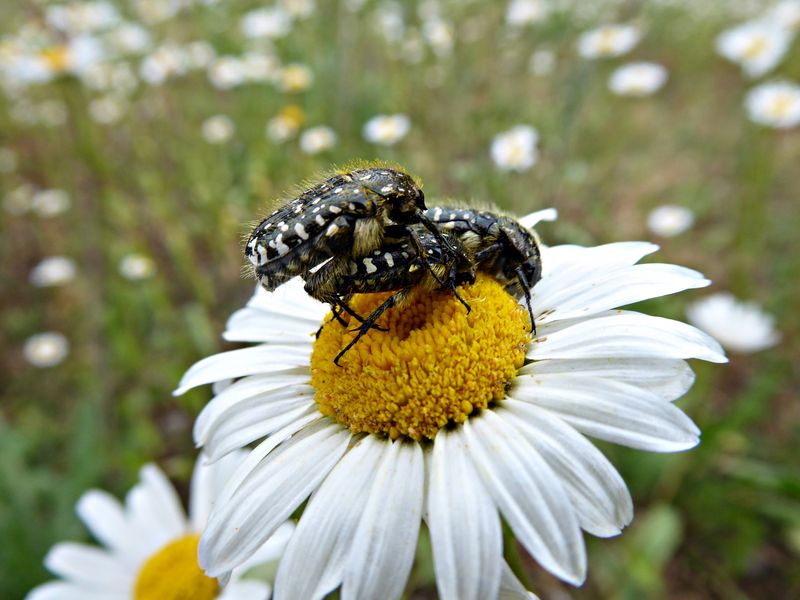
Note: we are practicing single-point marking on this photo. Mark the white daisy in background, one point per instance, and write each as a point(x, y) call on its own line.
point(285, 124)
point(386, 130)
point(608, 40)
point(785, 14)
point(199, 54)
point(218, 129)
point(128, 39)
point(163, 63)
point(775, 104)
point(81, 17)
point(295, 78)
point(107, 110)
point(19, 200)
point(299, 9)
point(515, 149)
point(542, 63)
point(637, 79)
point(670, 220)
point(50, 203)
point(53, 271)
point(502, 416)
point(8, 160)
point(150, 545)
point(261, 66)
point(46, 349)
point(526, 12)
point(226, 72)
point(317, 139)
point(270, 22)
point(136, 267)
point(757, 46)
point(737, 325)
point(439, 35)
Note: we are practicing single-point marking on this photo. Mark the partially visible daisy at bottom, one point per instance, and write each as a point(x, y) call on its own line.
point(449, 418)
point(150, 546)
point(637, 79)
point(774, 104)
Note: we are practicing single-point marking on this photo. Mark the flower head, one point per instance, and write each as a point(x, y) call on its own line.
point(637, 79)
point(450, 417)
point(758, 46)
point(218, 129)
point(515, 149)
point(774, 104)
point(52, 271)
point(150, 545)
point(317, 139)
point(386, 130)
point(136, 267)
point(740, 326)
point(608, 40)
point(46, 349)
point(669, 220)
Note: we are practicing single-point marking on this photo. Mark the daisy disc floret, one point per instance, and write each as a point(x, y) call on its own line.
point(492, 425)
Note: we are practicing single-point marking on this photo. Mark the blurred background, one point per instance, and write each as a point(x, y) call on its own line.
point(140, 138)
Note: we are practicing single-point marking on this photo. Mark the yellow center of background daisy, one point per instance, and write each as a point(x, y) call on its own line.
point(173, 573)
point(434, 365)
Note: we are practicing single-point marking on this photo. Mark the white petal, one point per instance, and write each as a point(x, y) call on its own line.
point(612, 411)
point(511, 588)
point(89, 566)
point(591, 289)
point(289, 300)
point(529, 495)
point(207, 481)
point(313, 564)
point(627, 335)
point(598, 493)
point(557, 259)
point(243, 389)
point(59, 590)
point(259, 325)
point(258, 499)
point(385, 542)
point(531, 220)
point(667, 378)
point(272, 549)
point(245, 590)
point(246, 361)
point(105, 518)
point(465, 528)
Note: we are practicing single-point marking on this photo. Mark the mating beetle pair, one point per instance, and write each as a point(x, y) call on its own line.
point(368, 230)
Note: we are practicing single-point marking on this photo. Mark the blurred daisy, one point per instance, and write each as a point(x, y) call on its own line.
point(150, 545)
point(260, 67)
point(739, 326)
point(200, 54)
point(107, 110)
point(386, 130)
point(317, 139)
point(505, 436)
point(81, 17)
point(515, 149)
point(775, 104)
point(526, 12)
point(637, 79)
point(128, 38)
point(19, 200)
point(271, 22)
point(286, 123)
point(53, 271)
point(542, 62)
point(298, 9)
point(670, 220)
point(136, 267)
point(295, 78)
point(758, 46)
point(226, 72)
point(46, 349)
point(438, 33)
point(608, 40)
point(8, 160)
point(50, 203)
point(218, 129)
point(165, 62)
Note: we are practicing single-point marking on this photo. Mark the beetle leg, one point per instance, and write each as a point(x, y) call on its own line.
point(526, 290)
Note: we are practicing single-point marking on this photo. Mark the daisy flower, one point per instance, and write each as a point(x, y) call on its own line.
point(317, 139)
point(740, 326)
point(452, 418)
point(53, 271)
point(757, 46)
point(218, 129)
point(150, 545)
point(608, 40)
point(774, 104)
point(515, 149)
point(46, 349)
point(669, 220)
point(386, 130)
point(136, 267)
point(526, 12)
point(637, 79)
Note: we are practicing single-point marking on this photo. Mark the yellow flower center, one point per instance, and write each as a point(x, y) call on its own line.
point(781, 105)
point(173, 573)
point(57, 58)
point(756, 47)
point(434, 365)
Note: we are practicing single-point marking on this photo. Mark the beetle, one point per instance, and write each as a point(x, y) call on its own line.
point(345, 217)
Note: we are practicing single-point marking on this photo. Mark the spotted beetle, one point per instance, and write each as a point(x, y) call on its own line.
point(398, 267)
point(345, 217)
point(497, 245)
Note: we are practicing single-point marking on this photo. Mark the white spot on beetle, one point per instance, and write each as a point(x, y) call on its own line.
point(338, 190)
point(320, 221)
point(387, 188)
point(437, 214)
point(453, 216)
point(300, 230)
point(332, 229)
point(281, 247)
point(389, 259)
point(284, 227)
point(371, 268)
point(335, 209)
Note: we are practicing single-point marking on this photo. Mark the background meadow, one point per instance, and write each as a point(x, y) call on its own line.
point(140, 138)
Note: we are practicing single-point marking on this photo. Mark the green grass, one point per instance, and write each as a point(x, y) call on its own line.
point(720, 521)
